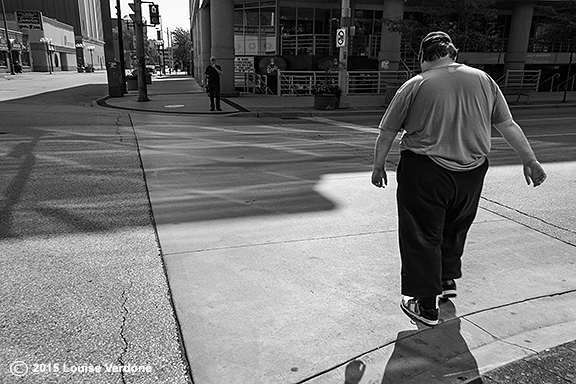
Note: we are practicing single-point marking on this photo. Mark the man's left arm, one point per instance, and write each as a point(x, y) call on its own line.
point(515, 137)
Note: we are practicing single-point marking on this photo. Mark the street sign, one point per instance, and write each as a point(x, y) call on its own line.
point(29, 19)
point(341, 37)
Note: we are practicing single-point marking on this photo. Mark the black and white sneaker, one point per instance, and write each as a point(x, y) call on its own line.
point(448, 289)
point(414, 310)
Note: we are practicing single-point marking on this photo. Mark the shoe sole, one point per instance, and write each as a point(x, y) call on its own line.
point(451, 293)
point(413, 316)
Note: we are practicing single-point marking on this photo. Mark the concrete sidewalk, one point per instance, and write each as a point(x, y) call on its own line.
point(181, 94)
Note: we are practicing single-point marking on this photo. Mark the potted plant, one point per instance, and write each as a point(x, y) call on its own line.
point(326, 95)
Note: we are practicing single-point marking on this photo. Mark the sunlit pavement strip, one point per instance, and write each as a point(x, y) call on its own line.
point(356, 127)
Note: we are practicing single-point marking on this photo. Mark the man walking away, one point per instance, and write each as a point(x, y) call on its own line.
point(212, 81)
point(446, 114)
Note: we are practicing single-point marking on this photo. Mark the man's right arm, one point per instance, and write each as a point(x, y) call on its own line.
point(515, 137)
point(381, 150)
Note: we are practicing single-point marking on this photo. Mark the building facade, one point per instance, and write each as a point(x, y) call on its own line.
point(84, 16)
point(48, 46)
point(302, 34)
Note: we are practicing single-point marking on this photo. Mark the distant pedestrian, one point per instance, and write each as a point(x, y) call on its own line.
point(212, 81)
point(446, 114)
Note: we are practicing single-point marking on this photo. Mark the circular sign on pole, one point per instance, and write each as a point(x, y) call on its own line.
point(341, 37)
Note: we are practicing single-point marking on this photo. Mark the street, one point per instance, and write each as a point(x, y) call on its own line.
point(257, 244)
point(82, 281)
point(283, 259)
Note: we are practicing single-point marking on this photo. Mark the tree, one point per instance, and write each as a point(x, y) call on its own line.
point(468, 22)
point(558, 24)
point(182, 46)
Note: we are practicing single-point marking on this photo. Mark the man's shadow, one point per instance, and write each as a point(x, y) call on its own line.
point(429, 355)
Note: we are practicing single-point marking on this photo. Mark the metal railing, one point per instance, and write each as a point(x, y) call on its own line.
point(567, 85)
point(359, 82)
point(369, 45)
point(534, 45)
point(252, 82)
point(527, 79)
point(306, 44)
point(551, 79)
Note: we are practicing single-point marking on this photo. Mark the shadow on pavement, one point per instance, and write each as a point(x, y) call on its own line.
point(431, 354)
point(79, 95)
point(69, 173)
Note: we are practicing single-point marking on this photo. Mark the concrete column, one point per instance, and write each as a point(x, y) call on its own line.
point(222, 32)
point(516, 52)
point(390, 43)
point(205, 41)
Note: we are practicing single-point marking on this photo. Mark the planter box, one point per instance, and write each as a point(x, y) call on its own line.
point(325, 101)
point(132, 84)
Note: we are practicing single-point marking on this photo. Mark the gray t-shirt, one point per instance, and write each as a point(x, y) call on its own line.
point(447, 114)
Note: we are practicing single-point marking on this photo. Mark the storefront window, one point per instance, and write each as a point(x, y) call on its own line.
point(288, 20)
point(3, 62)
point(268, 30)
point(305, 20)
point(255, 29)
point(25, 58)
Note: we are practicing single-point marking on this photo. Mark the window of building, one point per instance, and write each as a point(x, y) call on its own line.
point(255, 28)
point(3, 61)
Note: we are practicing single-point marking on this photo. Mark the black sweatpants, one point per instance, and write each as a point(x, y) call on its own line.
point(436, 208)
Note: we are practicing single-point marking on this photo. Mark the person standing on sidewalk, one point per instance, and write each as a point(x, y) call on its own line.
point(212, 81)
point(446, 114)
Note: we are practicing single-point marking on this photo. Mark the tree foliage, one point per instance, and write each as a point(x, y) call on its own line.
point(559, 22)
point(182, 45)
point(466, 21)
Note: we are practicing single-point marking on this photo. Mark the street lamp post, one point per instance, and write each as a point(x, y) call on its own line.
point(159, 45)
point(9, 58)
point(90, 49)
point(47, 41)
point(81, 46)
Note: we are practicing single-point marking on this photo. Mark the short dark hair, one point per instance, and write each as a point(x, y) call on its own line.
point(436, 45)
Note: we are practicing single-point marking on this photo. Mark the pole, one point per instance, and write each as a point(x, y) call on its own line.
point(11, 64)
point(567, 78)
point(121, 45)
point(142, 89)
point(50, 56)
point(169, 50)
point(343, 55)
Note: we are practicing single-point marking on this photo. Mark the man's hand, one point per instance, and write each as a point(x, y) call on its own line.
point(379, 177)
point(534, 171)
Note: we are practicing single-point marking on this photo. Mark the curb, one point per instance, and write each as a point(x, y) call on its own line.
point(283, 113)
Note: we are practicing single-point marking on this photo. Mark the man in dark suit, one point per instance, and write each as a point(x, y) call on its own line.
point(212, 81)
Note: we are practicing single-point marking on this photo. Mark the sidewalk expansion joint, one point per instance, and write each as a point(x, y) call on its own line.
point(530, 217)
point(278, 242)
point(496, 338)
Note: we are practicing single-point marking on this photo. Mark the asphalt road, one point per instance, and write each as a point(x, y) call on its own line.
point(82, 280)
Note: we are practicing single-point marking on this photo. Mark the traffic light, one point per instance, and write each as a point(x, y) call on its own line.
point(154, 14)
point(136, 15)
point(159, 35)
